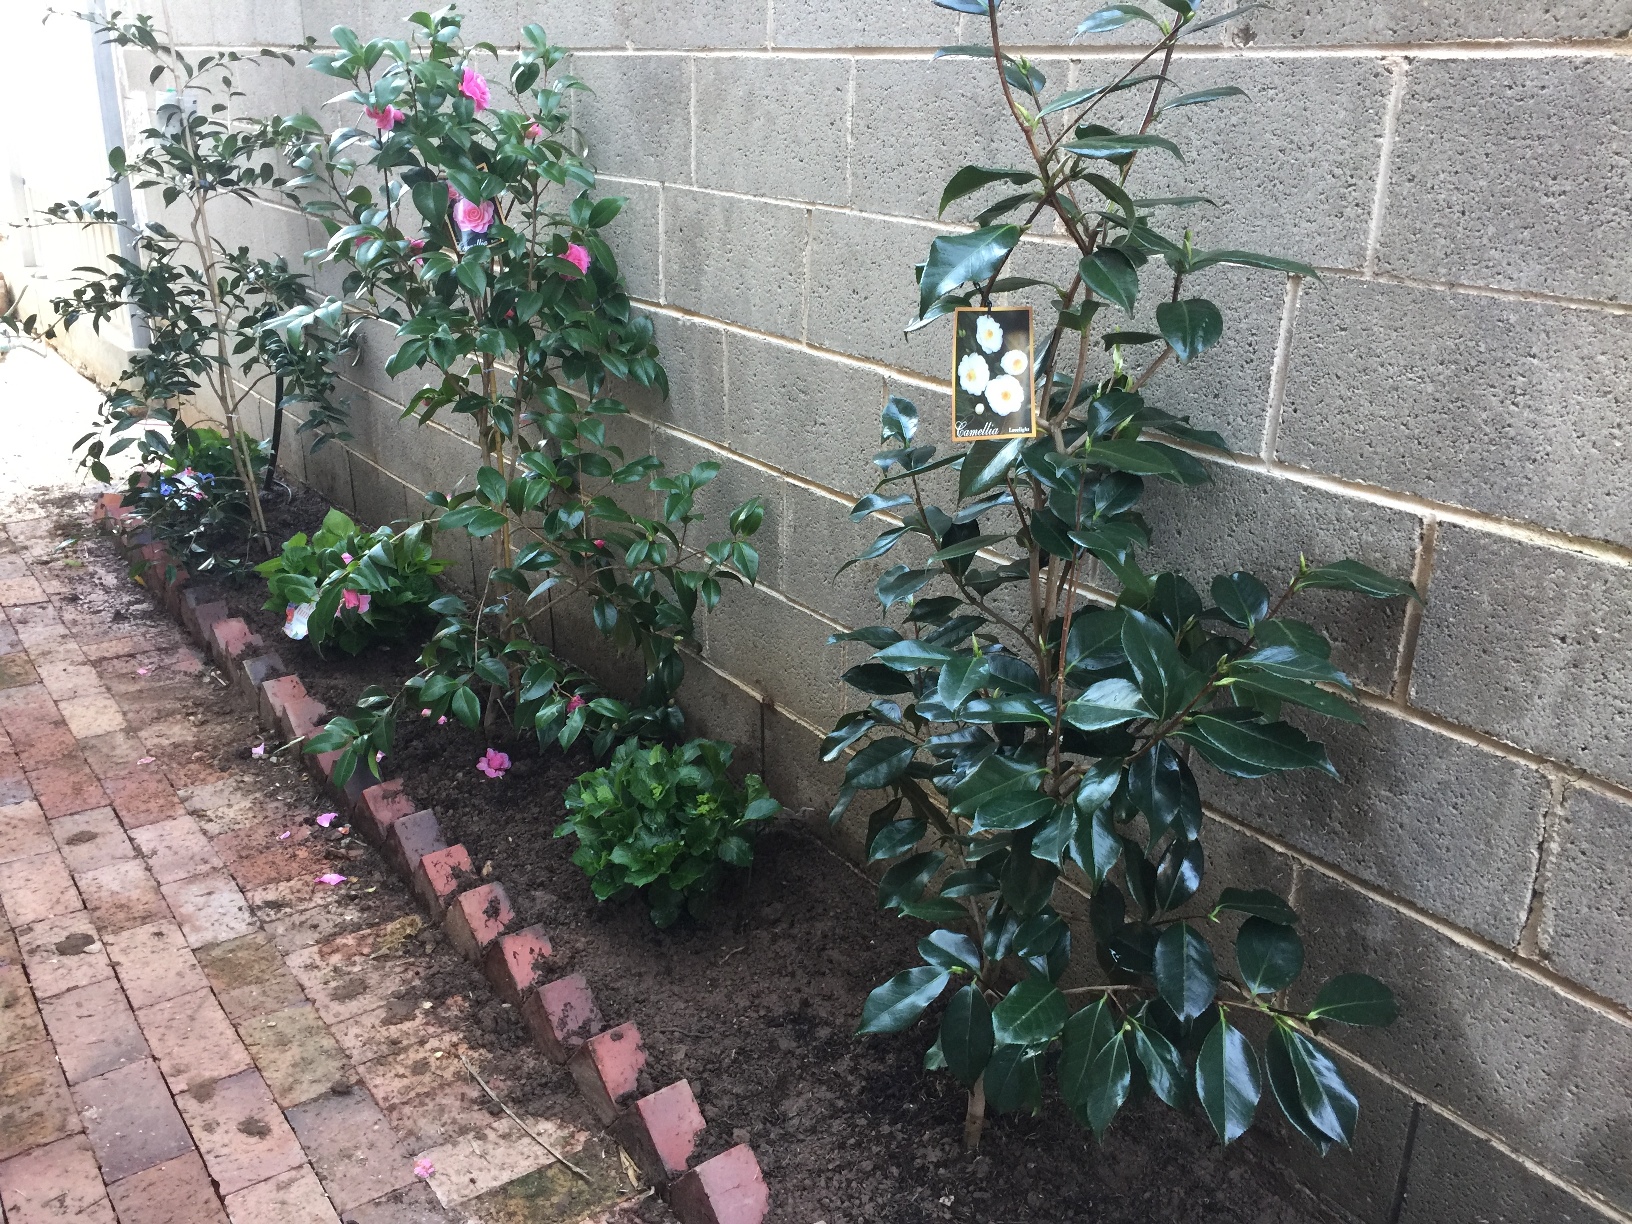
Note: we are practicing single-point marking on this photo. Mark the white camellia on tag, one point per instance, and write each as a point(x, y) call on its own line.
point(1005, 394)
point(988, 333)
point(974, 373)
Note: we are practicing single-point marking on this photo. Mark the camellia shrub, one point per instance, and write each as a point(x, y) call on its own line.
point(665, 822)
point(194, 501)
point(468, 228)
point(353, 587)
point(1037, 740)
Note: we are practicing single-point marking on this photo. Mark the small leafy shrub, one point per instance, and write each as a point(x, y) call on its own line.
point(353, 587)
point(194, 502)
point(668, 821)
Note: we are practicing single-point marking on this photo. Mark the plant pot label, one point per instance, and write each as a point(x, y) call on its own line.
point(992, 379)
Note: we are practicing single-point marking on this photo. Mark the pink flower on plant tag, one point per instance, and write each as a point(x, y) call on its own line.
point(574, 704)
point(423, 1167)
point(474, 218)
point(385, 117)
point(327, 819)
point(331, 878)
point(493, 763)
point(577, 256)
point(474, 86)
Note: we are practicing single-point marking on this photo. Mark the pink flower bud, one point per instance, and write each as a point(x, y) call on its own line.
point(385, 117)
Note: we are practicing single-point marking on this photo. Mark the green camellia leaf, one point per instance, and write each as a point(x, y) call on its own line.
point(1011, 809)
point(1269, 955)
point(950, 950)
point(1164, 1067)
point(1355, 998)
point(1168, 683)
point(1013, 1080)
point(1283, 1084)
point(1110, 703)
point(1201, 96)
point(1086, 1034)
point(879, 763)
point(994, 776)
point(1227, 1080)
point(960, 677)
point(1190, 325)
point(1114, 18)
point(1352, 576)
point(1295, 664)
point(1259, 902)
point(1249, 685)
point(1253, 749)
point(1242, 599)
point(972, 178)
point(966, 1035)
point(910, 654)
point(1327, 1101)
point(1120, 146)
point(1140, 458)
point(895, 1005)
point(986, 465)
point(1247, 259)
point(905, 882)
point(957, 259)
point(1030, 1014)
point(1185, 974)
point(1112, 275)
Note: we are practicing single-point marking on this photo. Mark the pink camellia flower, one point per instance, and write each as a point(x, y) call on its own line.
point(327, 819)
point(423, 1167)
point(385, 117)
point(331, 878)
point(474, 86)
point(357, 601)
point(574, 704)
point(416, 245)
point(577, 256)
point(535, 132)
point(474, 218)
point(493, 763)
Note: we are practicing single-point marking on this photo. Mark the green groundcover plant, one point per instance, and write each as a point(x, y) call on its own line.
point(1037, 735)
point(665, 822)
point(353, 587)
point(194, 502)
point(468, 226)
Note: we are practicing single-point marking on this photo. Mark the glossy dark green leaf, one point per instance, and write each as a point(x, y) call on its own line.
point(1109, 1075)
point(986, 465)
point(1185, 974)
point(1249, 687)
point(898, 583)
point(899, 1002)
point(1163, 788)
point(906, 881)
point(1112, 275)
point(960, 677)
point(1355, 998)
point(965, 548)
point(1283, 1085)
point(1269, 955)
point(972, 178)
point(1190, 325)
point(911, 654)
point(1109, 703)
point(1198, 97)
point(879, 763)
point(994, 776)
point(966, 1035)
point(957, 259)
point(1096, 848)
point(1178, 874)
point(1327, 1100)
point(1282, 631)
point(1017, 709)
point(1120, 146)
point(1031, 1013)
point(1248, 259)
point(1259, 902)
point(896, 838)
point(1163, 1065)
point(1353, 576)
point(1115, 17)
point(1295, 664)
point(950, 950)
point(1085, 1034)
point(877, 680)
point(1227, 1080)
point(1168, 683)
point(1054, 836)
point(1148, 459)
point(1242, 599)
point(1253, 749)
point(1013, 1080)
point(1027, 883)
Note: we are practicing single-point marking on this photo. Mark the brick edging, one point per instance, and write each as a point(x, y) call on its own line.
point(659, 1130)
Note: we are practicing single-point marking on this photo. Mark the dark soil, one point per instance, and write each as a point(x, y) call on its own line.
point(757, 1007)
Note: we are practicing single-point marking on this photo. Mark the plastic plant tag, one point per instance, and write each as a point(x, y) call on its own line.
point(992, 378)
point(295, 617)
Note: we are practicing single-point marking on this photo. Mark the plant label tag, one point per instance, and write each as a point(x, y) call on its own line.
point(992, 379)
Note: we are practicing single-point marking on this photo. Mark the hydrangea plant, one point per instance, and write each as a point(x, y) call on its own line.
point(1038, 738)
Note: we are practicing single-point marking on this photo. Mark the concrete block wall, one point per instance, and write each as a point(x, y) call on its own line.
point(1450, 401)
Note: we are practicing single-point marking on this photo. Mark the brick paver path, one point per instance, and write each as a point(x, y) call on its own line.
point(191, 1029)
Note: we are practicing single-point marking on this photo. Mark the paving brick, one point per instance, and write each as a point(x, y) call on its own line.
point(1586, 930)
point(142, 796)
point(66, 786)
point(24, 832)
point(193, 1040)
point(352, 1149)
point(562, 1015)
point(54, 1183)
point(67, 676)
point(660, 1130)
point(490, 1157)
point(1502, 613)
point(62, 953)
point(35, 1107)
point(20, 1022)
point(121, 896)
point(91, 839)
point(379, 806)
point(249, 977)
point(1467, 212)
point(209, 908)
point(477, 918)
point(343, 980)
point(438, 877)
point(296, 1055)
point(154, 963)
point(1476, 366)
point(738, 260)
point(176, 849)
point(1458, 1178)
point(92, 715)
point(175, 1192)
point(36, 730)
point(294, 1197)
point(303, 718)
point(415, 1205)
point(14, 787)
point(411, 837)
point(514, 964)
point(1448, 826)
point(607, 1069)
point(93, 1030)
point(131, 1120)
point(17, 670)
point(37, 887)
point(729, 1189)
point(242, 1136)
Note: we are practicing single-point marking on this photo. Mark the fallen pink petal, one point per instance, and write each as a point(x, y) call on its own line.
point(284, 836)
point(331, 878)
point(145, 760)
point(327, 819)
point(143, 671)
point(494, 763)
point(423, 1167)
point(258, 750)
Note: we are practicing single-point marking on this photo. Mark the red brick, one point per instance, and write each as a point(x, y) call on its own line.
point(562, 1015)
point(477, 918)
point(108, 506)
point(231, 640)
point(303, 717)
point(56, 1182)
point(195, 605)
point(252, 673)
point(175, 1192)
point(67, 786)
point(208, 617)
point(35, 726)
point(411, 837)
point(607, 1068)
point(241, 1133)
point(14, 787)
point(193, 1040)
point(122, 896)
point(35, 1107)
point(380, 806)
point(94, 1030)
point(352, 1148)
point(142, 796)
point(275, 695)
point(437, 877)
point(24, 832)
point(37, 887)
point(91, 839)
point(660, 1132)
point(728, 1189)
point(132, 1122)
point(516, 963)
point(154, 963)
